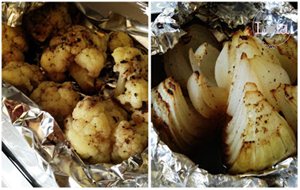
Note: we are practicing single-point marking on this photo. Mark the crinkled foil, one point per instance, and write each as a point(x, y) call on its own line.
point(37, 141)
point(170, 169)
point(57, 162)
point(222, 18)
point(115, 21)
point(12, 13)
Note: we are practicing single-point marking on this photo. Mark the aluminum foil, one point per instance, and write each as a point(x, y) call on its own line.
point(170, 169)
point(221, 18)
point(118, 22)
point(57, 161)
point(12, 13)
point(37, 141)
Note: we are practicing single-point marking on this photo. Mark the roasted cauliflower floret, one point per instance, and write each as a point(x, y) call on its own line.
point(130, 139)
point(47, 20)
point(76, 45)
point(129, 63)
point(91, 126)
point(57, 99)
point(24, 76)
point(119, 39)
point(136, 92)
point(56, 61)
point(13, 44)
point(82, 78)
point(90, 60)
point(140, 116)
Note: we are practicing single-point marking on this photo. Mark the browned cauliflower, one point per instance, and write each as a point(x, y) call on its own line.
point(130, 139)
point(24, 76)
point(129, 63)
point(91, 126)
point(47, 20)
point(85, 81)
point(57, 99)
point(140, 116)
point(119, 39)
point(77, 45)
point(13, 44)
point(136, 92)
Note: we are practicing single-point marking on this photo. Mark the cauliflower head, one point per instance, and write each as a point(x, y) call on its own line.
point(91, 126)
point(136, 92)
point(13, 44)
point(76, 45)
point(24, 76)
point(130, 139)
point(119, 39)
point(140, 116)
point(129, 63)
point(85, 81)
point(57, 99)
point(47, 20)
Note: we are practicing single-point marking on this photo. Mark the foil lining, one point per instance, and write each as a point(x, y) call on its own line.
point(221, 18)
point(53, 152)
point(37, 140)
point(117, 22)
point(171, 169)
point(12, 13)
